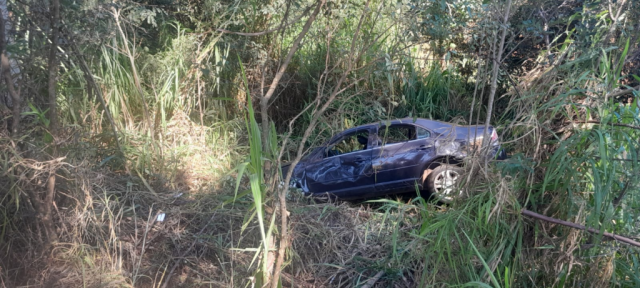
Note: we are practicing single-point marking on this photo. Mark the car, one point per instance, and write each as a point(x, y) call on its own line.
point(392, 157)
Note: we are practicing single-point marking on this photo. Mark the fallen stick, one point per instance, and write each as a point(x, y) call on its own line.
point(624, 92)
point(581, 227)
point(373, 280)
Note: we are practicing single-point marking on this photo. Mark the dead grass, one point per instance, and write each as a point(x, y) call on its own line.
point(346, 244)
point(109, 236)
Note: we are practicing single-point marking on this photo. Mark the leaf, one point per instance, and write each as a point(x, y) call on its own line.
point(622, 59)
point(241, 168)
point(105, 160)
point(486, 266)
point(476, 284)
point(47, 138)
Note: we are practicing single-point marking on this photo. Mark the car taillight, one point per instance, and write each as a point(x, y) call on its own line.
point(494, 136)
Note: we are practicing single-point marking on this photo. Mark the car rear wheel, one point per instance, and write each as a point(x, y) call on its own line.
point(442, 182)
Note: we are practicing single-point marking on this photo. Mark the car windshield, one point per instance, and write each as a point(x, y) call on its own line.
point(311, 152)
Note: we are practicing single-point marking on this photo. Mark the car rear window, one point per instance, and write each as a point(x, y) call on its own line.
point(423, 133)
point(397, 134)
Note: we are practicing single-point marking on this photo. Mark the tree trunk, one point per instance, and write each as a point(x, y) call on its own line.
point(53, 67)
point(264, 104)
point(5, 69)
point(494, 76)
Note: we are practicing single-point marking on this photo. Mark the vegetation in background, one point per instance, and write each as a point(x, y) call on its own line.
point(140, 142)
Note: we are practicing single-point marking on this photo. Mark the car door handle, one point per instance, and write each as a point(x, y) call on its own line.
point(422, 147)
point(358, 160)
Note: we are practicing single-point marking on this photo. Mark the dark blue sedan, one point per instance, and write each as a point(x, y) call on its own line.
point(392, 157)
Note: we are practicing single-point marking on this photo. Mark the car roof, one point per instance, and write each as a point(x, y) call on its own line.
point(426, 123)
point(442, 129)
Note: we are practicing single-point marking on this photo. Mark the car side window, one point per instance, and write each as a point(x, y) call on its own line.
point(397, 134)
point(349, 143)
point(422, 133)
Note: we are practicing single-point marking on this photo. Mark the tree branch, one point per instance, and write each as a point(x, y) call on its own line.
point(292, 50)
point(494, 75)
point(623, 192)
point(280, 27)
point(624, 92)
point(579, 227)
point(614, 124)
point(373, 280)
point(264, 103)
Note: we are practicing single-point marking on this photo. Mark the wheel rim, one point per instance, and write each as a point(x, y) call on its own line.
point(444, 184)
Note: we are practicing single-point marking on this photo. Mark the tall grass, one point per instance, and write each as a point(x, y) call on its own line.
point(254, 168)
point(584, 147)
point(428, 94)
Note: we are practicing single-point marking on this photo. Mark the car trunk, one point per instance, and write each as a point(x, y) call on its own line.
point(467, 133)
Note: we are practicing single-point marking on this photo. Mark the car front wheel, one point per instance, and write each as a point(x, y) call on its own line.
point(442, 182)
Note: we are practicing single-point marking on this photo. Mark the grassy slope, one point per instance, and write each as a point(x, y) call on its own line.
point(185, 166)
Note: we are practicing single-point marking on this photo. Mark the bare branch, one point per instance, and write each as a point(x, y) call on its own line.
point(494, 76)
point(613, 124)
point(280, 27)
point(264, 103)
point(292, 50)
point(624, 92)
point(579, 227)
point(373, 280)
point(616, 201)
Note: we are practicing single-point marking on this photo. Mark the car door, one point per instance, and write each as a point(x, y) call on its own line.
point(401, 153)
point(345, 168)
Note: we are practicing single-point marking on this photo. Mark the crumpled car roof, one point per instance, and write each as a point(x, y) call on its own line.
point(443, 128)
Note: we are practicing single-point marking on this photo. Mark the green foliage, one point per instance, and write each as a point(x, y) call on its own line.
point(430, 95)
point(255, 169)
point(41, 117)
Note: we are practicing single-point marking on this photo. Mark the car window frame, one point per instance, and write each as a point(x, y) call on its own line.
point(428, 130)
point(380, 128)
point(342, 137)
point(379, 141)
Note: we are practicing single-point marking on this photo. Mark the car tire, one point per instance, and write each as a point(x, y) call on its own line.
point(442, 181)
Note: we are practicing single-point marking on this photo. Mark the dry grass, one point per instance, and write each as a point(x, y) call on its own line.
point(105, 221)
point(108, 235)
point(346, 244)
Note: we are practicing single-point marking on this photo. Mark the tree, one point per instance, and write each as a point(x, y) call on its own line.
point(5, 71)
point(54, 10)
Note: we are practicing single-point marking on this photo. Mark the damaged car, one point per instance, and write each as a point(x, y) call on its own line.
point(392, 157)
